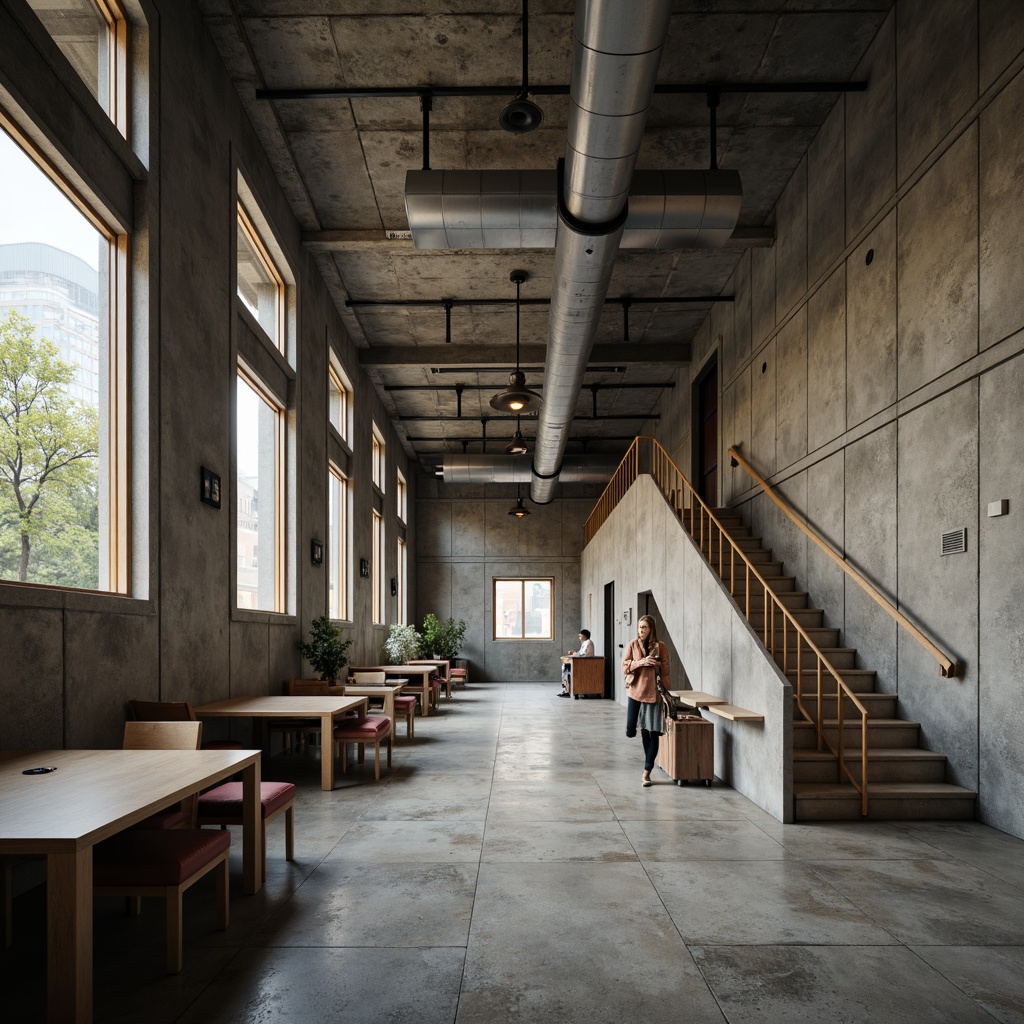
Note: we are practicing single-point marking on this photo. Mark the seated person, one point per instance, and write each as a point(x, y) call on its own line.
point(586, 651)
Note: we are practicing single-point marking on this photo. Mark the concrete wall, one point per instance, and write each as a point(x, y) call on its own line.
point(643, 547)
point(872, 368)
point(466, 538)
point(71, 660)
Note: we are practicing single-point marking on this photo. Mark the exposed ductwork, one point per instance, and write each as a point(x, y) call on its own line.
point(519, 209)
point(616, 52)
point(506, 469)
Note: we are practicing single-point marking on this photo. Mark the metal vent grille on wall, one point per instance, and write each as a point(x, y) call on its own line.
point(954, 542)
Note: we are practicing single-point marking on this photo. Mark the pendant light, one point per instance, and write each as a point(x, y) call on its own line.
point(518, 510)
point(517, 446)
point(517, 397)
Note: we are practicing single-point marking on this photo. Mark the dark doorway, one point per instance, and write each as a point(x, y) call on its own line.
point(707, 433)
point(611, 661)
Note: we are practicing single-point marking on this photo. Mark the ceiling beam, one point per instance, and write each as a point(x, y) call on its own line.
point(504, 356)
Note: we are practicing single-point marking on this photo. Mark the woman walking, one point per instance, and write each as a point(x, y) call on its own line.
point(647, 659)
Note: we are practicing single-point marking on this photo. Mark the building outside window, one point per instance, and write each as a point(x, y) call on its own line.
point(339, 398)
point(401, 496)
point(261, 287)
point(402, 612)
point(377, 459)
point(523, 609)
point(377, 570)
point(338, 561)
point(63, 381)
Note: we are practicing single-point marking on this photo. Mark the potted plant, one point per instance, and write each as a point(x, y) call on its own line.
point(325, 651)
point(402, 643)
point(442, 639)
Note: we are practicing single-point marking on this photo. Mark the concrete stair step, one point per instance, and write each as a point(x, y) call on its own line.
point(882, 732)
point(839, 657)
point(860, 680)
point(879, 705)
point(887, 801)
point(885, 764)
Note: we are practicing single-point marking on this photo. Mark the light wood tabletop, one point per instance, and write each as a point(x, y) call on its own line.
point(388, 691)
point(420, 688)
point(92, 795)
point(698, 698)
point(326, 708)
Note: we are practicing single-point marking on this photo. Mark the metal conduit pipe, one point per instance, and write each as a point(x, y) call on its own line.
point(510, 469)
point(616, 52)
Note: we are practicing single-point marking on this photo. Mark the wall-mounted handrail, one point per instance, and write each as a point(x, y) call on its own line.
point(703, 524)
point(947, 666)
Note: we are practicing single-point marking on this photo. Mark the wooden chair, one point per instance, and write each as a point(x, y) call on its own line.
point(404, 705)
point(163, 862)
point(169, 735)
point(174, 711)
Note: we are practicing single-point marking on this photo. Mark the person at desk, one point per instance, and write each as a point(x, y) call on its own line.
point(586, 651)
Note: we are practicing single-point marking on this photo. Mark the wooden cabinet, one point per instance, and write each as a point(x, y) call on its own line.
point(586, 675)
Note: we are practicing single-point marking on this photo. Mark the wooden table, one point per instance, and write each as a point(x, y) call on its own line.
point(586, 674)
point(422, 688)
point(389, 691)
point(443, 670)
point(92, 795)
point(327, 709)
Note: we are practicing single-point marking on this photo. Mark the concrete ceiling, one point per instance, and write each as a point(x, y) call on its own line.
point(342, 163)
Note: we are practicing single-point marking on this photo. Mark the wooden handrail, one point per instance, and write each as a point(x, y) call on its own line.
point(947, 666)
point(684, 499)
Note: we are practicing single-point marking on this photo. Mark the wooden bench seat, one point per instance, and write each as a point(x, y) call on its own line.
point(735, 714)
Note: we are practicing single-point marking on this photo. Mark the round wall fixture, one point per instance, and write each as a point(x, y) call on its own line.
point(520, 116)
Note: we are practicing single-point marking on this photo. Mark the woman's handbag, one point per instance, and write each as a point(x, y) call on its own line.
point(628, 679)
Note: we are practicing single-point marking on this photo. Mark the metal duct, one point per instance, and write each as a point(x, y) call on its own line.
point(616, 51)
point(511, 469)
point(519, 209)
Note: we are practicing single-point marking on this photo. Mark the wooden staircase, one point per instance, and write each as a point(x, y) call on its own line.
point(905, 780)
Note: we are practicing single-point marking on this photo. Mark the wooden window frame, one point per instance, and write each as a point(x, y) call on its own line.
point(339, 559)
point(247, 225)
point(522, 581)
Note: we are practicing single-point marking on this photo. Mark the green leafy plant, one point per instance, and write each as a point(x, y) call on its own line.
point(325, 651)
point(442, 639)
point(402, 643)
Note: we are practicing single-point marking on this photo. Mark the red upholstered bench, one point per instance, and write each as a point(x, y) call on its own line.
point(374, 729)
point(165, 863)
point(222, 806)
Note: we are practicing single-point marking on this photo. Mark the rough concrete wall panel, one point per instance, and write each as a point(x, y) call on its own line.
point(735, 480)
point(1001, 162)
point(467, 538)
point(762, 295)
point(826, 194)
point(1001, 640)
point(787, 542)
point(791, 243)
point(1000, 38)
point(737, 349)
point(791, 347)
point(871, 132)
point(250, 643)
point(826, 362)
point(471, 597)
point(937, 72)
point(870, 547)
point(434, 526)
point(938, 488)
point(938, 267)
point(825, 513)
point(871, 324)
point(763, 408)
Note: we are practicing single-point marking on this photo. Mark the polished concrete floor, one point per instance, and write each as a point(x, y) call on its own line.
point(511, 868)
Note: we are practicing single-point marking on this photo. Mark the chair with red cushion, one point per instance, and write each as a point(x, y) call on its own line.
point(375, 729)
point(174, 711)
point(222, 806)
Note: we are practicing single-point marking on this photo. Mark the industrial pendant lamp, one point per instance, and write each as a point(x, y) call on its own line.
point(517, 397)
point(517, 446)
point(518, 511)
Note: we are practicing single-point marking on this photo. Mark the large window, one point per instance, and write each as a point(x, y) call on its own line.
point(377, 460)
point(401, 496)
point(337, 544)
point(523, 609)
point(377, 573)
point(260, 284)
point(339, 398)
point(63, 382)
point(259, 496)
point(92, 34)
point(402, 614)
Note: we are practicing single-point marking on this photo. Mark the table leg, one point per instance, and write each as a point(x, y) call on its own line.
point(252, 825)
point(69, 937)
point(327, 752)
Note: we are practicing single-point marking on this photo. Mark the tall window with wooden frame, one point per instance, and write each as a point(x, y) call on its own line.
point(523, 608)
point(259, 495)
point(261, 287)
point(402, 611)
point(93, 36)
point(339, 398)
point(338, 580)
point(401, 497)
point(64, 380)
point(377, 569)
point(378, 461)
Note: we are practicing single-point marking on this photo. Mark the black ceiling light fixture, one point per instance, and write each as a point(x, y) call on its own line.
point(518, 510)
point(517, 397)
point(517, 446)
point(522, 115)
